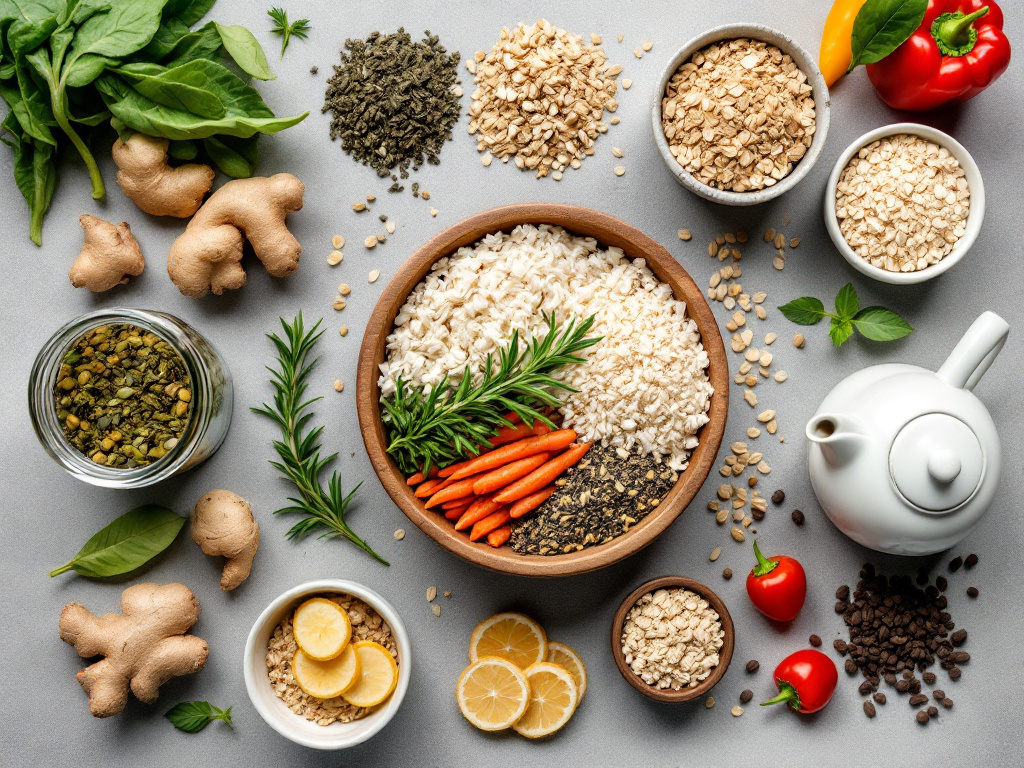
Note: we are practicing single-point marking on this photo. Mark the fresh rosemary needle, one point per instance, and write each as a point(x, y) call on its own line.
point(444, 425)
point(299, 29)
point(323, 509)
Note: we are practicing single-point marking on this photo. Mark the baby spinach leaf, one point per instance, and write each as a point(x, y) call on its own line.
point(203, 43)
point(30, 107)
point(882, 26)
point(879, 324)
point(85, 69)
point(246, 51)
point(188, 11)
point(34, 21)
point(186, 151)
point(163, 86)
point(235, 157)
point(35, 173)
point(193, 716)
point(167, 35)
point(847, 301)
point(127, 543)
point(121, 31)
point(806, 310)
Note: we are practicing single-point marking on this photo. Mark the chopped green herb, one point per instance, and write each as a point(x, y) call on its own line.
point(193, 716)
point(299, 29)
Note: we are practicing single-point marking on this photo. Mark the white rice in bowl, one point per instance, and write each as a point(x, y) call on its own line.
point(644, 386)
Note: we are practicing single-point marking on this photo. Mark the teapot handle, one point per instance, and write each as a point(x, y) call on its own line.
point(975, 352)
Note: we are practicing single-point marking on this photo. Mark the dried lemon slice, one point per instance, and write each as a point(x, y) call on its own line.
point(553, 699)
point(326, 679)
point(492, 693)
point(321, 628)
point(378, 675)
point(511, 636)
point(564, 656)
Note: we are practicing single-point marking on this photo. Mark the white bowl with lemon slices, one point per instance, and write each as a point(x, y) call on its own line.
point(332, 642)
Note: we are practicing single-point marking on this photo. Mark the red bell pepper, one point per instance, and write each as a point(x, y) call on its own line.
point(777, 586)
point(958, 51)
point(806, 681)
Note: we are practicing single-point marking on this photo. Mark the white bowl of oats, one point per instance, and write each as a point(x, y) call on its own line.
point(741, 114)
point(904, 203)
point(322, 723)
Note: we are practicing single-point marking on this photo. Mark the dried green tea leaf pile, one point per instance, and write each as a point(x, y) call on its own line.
point(123, 396)
point(394, 101)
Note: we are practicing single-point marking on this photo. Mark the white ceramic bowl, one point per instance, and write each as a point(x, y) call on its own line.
point(274, 711)
point(974, 217)
point(822, 106)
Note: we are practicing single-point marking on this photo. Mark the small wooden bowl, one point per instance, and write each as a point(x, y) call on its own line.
point(608, 231)
point(724, 656)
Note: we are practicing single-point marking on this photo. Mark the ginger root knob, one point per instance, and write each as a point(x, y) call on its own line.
point(222, 524)
point(207, 256)
point(110, 255)
point(152, 184)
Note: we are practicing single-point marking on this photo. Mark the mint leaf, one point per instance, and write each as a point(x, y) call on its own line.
point(806, 310)
point(847, 302)
point(880, 324)
point(840, 331)
point(193, 716)
point(882, 26)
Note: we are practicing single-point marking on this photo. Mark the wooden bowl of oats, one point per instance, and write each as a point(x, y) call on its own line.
point(721, 99)
point(328, 724)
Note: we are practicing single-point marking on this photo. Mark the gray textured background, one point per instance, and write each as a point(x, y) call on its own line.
point(47, 515)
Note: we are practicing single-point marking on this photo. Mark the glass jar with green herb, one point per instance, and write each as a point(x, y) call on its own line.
point(124, 398)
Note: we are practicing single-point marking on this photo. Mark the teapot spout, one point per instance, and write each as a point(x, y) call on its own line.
point(839, 437)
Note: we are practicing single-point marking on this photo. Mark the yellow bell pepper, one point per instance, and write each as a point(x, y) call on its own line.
point(836, 52)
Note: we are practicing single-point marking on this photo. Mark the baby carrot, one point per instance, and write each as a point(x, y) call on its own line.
point(428, 487)
point(490, 523)
point(510, 434)
point(554, 441)
point(498, 478)
point(500, 536)
point(476, 512)
point(456, 503)
point(457, 490)
point(415, 479)
point(454, 514)
point(543, 476)
point(529, 503)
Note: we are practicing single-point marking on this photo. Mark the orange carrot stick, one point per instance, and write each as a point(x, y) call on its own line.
point(540, 428)
point(500, 536)
point(510, 434)
point(490, 523)
point(476, 512)
point(453, 468)
point(529, 503)
point(428, 487)
point(498, 478)
point(454, 514)
point(415, 479)
point(457, 503)
point(458, 490)
point(553, 441)
point(543, 476)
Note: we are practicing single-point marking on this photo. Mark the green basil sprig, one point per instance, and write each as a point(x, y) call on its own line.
point(882, 26)
point(193, 716)
point(132, 540)
point(875, 323)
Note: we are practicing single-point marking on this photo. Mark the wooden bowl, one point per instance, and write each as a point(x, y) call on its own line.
point(724, 656)
point(608, 231)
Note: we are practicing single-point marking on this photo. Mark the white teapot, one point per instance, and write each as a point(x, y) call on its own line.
point(905, 460)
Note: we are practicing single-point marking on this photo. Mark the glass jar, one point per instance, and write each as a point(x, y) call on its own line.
point(208, 421)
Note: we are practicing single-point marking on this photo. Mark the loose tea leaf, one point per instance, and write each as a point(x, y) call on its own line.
point(875, 323)
point(132, 540)
point(193, 716)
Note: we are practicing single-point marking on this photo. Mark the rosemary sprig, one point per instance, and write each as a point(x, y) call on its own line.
point(299, 29)
point(323, 509)
point(444, 425)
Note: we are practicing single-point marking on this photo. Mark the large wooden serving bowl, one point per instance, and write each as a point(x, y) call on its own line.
point(608, 231)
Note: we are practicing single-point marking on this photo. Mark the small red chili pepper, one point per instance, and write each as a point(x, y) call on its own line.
point(958, 51)
point(777, 586)
point(806, 681)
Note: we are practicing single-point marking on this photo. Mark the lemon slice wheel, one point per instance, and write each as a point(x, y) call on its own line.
point(377, 678)
point(511, 636)
point(564, 656)
point(321, 628)
point(326, 679)
point(492, 693)
point(553, 699)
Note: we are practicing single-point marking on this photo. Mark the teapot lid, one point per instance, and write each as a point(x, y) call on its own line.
point(936, 462)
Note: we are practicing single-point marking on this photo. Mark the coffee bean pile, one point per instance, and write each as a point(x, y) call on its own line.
point(897, 628)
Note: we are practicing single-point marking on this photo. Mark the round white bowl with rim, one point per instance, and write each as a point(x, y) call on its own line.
point(974, 217)
point(276, 713)
point(807, 63)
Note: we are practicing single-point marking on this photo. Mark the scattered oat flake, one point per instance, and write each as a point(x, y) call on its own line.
point(769, 338)
point(617, 152)
point(794, 242)
point(736, 711)
point(595, 39)
point(614, 121)
point(344, 289)
point(344, 330)
point(390, 227)
point(753, 433)
point(779, 263)
point(400, 533)
point(487, 159)
point(626, 83)
point(447, 593)
point(339, 304)
point(684, 234)
point(374, 274)
point(715, 553)
point(648, 45)
point(781, 376)
point(338, 386)
point(370, 242)
point(638, 53)
point(436, 609)
point(433, 211)
point(621, 38)
point(431, 594)
point(769, 235)
point(750, 397)
point(338, 242)
point(334, 258)
point(738, 534)
point(619, 170)
point(798, 341)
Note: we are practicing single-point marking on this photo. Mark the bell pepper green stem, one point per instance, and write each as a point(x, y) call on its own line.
point(787, 694)
point(764, 565)
point(955, 34)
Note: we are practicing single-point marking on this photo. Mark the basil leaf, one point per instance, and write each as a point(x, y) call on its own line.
point(880, 324)
point(127, 543)
point(847, 301)
point(882, 26)
point(806, 310)
point(841, 330)
point(193, 716)
point(246, 51)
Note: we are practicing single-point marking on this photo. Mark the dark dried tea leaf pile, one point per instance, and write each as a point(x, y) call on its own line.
point(394, 101)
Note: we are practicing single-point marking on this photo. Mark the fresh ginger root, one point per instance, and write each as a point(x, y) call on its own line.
point(207, 256)
point(222, 524)
point(143, 648)
point(110, 255)
point(152, 184)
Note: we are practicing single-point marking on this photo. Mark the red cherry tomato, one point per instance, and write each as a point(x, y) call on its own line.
point(806, 681)
point(777, 586)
